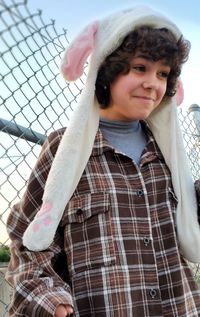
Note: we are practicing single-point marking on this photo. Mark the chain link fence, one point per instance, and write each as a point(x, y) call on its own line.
point(35, 99)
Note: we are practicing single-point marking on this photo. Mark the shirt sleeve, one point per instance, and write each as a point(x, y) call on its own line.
point(39, 279)
point(197, 188)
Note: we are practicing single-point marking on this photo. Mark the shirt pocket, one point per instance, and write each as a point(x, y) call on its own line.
point(88, 232)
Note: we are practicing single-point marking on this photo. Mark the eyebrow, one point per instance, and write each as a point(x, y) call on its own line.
point(147, 57)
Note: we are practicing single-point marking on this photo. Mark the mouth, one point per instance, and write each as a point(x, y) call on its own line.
point(145, 98)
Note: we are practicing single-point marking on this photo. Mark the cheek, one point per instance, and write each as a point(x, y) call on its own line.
point(116, 90)
point(121, 83)
point(162, 91)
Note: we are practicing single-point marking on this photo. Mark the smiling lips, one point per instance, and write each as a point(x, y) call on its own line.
point(145, 98)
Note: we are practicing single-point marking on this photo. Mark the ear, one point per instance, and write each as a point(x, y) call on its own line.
point(72, 65)
point(179, 93)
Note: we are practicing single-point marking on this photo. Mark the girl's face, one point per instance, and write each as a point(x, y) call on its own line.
point(135, 95)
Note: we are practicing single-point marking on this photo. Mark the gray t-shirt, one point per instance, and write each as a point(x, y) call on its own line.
point(126, 137)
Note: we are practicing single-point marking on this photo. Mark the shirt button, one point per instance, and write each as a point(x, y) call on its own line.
point(79, 212)
point(140, 192)
point(152, 293)
point(146, 241)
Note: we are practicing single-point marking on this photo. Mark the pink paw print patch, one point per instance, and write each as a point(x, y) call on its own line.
point(41, 231)
point(44, 215)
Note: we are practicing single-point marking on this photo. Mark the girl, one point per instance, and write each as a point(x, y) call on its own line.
point(113, 202)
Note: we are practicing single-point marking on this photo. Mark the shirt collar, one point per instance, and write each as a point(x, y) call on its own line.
point(101, 145)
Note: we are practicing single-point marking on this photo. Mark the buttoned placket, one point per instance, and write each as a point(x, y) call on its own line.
point(153, 291)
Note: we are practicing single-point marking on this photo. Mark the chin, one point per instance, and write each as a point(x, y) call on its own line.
point(143, 116)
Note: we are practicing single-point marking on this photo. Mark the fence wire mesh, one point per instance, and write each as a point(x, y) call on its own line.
point(35, 100)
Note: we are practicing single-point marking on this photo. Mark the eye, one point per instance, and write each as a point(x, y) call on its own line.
point(164, 74)
point(138, 68)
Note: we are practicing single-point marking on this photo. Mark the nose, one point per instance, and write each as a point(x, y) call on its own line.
point(150, 82)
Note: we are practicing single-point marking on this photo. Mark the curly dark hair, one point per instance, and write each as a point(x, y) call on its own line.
point(155, 44)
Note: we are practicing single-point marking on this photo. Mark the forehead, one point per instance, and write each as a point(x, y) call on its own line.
point(149, 58)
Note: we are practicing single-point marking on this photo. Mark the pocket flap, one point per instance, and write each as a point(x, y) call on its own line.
point(81, 208)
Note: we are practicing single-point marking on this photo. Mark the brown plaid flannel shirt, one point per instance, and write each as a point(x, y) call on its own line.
point(121, 256)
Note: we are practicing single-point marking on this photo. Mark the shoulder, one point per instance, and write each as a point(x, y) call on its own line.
point(56, 135)
point(52, 142)
point(47, 154)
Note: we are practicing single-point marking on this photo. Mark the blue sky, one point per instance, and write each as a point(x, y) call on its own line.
point(73, 15)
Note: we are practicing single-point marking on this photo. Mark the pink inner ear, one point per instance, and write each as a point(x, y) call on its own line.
point(179, 93)
point(73, 62)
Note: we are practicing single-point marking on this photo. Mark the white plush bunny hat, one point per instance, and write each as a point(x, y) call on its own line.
point(100, 39)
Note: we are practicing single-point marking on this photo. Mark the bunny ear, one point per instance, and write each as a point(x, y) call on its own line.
point(72, 65)
point(179, 93)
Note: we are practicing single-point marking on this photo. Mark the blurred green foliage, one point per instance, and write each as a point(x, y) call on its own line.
point(4, 253)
